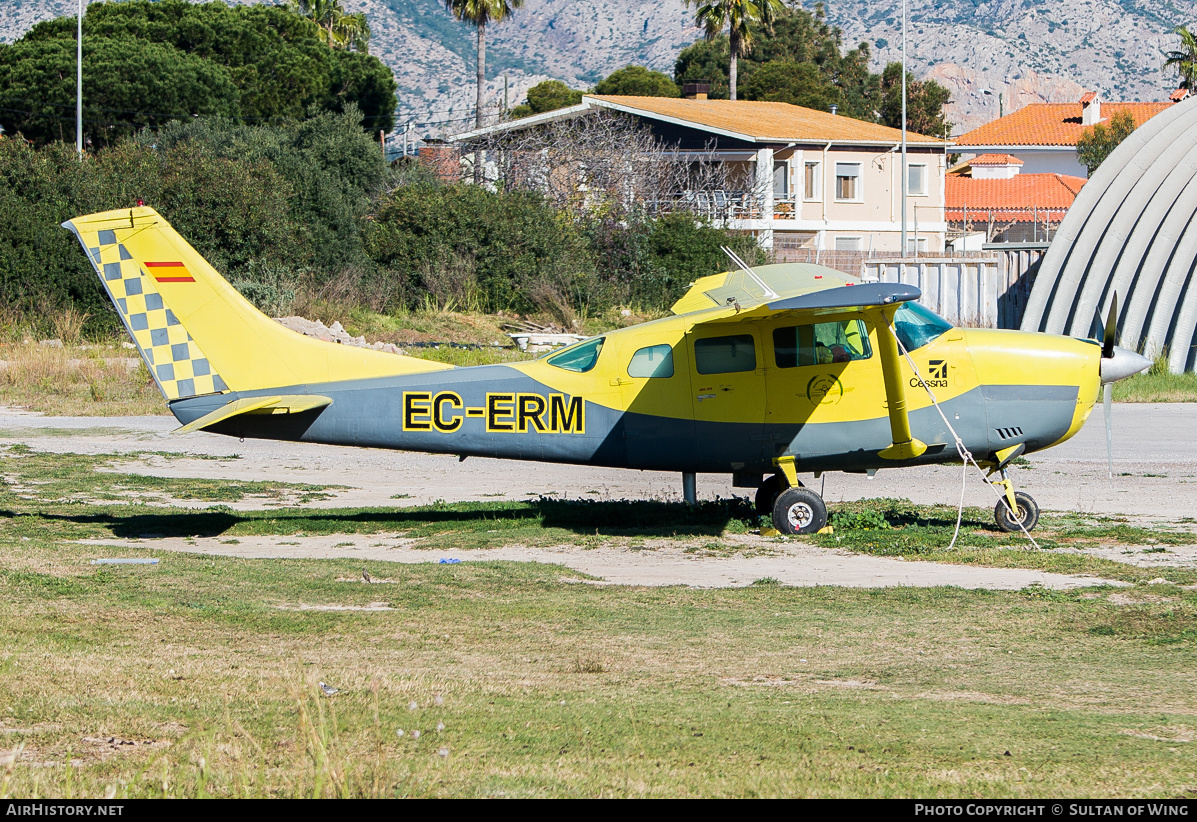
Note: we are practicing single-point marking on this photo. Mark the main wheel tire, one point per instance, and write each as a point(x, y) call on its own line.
point(1027, 514)
point(799, 511)
point(767, 493)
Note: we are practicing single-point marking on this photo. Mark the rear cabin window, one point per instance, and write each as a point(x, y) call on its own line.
point(580, 358)
point(725, 355)
point(654, 361)
point(821, 343)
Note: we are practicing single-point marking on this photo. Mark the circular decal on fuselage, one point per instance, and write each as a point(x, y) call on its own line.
point(825, 389)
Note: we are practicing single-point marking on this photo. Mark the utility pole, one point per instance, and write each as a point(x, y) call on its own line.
point(79, 83)
point(904, 172)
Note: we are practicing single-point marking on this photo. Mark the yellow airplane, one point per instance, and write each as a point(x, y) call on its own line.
point(764, 372)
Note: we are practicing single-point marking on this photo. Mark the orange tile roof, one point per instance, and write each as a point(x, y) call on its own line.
point(767, 122)
point(1049, 124)
point(996, 160)
point(1021, 198)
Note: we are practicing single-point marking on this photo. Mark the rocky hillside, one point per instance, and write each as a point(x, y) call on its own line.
point(1019, 50)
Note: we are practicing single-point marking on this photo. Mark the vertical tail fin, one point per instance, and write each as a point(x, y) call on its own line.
point(197, 334)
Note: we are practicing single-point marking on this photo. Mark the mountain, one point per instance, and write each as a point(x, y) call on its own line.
point(1022, 51)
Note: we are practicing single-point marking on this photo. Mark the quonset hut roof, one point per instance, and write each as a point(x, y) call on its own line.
point(1132, 231)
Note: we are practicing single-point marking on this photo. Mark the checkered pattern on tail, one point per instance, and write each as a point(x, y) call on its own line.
point(174, 359)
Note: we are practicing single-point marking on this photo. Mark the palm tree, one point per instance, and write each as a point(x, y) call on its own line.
point(480, 12)
point(1185, 60)
point(713, 15)
point(338, 29)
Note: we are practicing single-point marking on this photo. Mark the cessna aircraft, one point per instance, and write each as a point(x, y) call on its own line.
point(774, 370)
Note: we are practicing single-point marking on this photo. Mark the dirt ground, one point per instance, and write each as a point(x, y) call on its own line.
point(1155, 481)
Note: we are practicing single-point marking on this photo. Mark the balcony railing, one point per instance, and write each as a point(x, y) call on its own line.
point(718, 205)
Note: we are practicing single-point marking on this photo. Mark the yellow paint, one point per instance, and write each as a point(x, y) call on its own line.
point(786, 466)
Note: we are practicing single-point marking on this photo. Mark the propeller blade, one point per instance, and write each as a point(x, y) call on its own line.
point(1107, 345)
point(1108, 391)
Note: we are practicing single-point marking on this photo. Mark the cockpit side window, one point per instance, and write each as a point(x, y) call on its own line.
point(821, 343)
point(915, 326)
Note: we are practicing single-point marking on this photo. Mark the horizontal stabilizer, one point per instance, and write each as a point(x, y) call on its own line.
point(292, 404)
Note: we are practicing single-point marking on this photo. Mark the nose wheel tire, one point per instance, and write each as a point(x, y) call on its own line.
point(767, 493)
point(799, 511)
point(1027, 513)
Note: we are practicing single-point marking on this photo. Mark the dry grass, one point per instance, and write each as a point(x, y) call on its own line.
point(184, 680)
point(102, 381)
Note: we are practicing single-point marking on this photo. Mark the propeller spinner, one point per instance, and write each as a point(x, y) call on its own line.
point(1116, 364)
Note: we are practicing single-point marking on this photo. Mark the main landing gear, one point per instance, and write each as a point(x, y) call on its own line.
point(794, 509)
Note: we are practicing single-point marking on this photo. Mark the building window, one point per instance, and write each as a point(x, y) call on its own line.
point(916, 179)
point(847, 181)
point(911, 248)
point(848, 243)
point(810, 185)
point(781, 179)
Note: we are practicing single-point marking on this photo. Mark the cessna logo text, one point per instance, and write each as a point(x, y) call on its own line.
point(513, 412)
point(937, 376)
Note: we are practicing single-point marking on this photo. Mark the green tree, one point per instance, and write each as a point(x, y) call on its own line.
point(925, 100)
point(276, 61)
point(708, 61)
point(127, 85)
point(330, 170)
point(1185, 59)
point(478, 13)
point(507, 250)
point(339, 29)
point(637, 81)
point(1096, 143)
point(738, 16)
point(548, 95)
point(797, 36)
point(785, 81)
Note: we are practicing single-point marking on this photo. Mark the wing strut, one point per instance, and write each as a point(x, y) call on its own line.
point(904, 446)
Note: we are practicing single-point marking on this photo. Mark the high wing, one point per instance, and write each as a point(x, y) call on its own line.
point(808, 291)
point(752, 287)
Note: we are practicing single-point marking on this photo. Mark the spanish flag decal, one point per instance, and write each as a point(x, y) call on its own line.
point(172, 272)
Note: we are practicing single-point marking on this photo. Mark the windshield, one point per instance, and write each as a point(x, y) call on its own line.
point(915, 326)
point(580, 357)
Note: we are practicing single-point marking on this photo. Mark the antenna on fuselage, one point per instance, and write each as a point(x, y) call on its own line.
point(747, 269)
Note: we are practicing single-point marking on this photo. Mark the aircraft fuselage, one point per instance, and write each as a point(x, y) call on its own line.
point(733, 399)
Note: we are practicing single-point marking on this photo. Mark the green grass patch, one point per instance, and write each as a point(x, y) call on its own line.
point(901, 529)
point(1157, 385)
point(49, 477)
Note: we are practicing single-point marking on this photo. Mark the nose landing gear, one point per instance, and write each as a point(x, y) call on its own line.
point(1016, 510)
